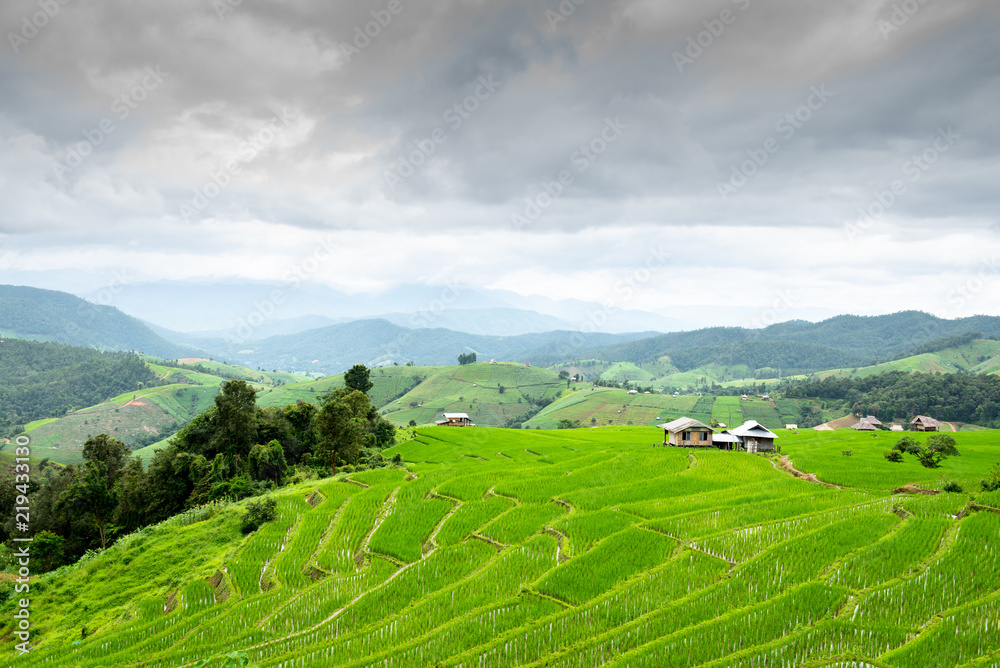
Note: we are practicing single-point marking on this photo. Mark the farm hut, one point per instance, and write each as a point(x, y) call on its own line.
point(896, 427)
point(924, 423)
point(725, 441)
point(688, 433)
point(867, 424)
point(456, 420)
point(755, 437)
point(791, 426)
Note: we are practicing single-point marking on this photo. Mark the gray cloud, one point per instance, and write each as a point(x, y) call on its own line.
point(507, 96)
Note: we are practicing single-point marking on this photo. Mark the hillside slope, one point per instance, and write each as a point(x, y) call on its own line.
point(587, 547)
point(48, 315)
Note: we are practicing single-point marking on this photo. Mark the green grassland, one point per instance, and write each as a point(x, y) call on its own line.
point(584, 547)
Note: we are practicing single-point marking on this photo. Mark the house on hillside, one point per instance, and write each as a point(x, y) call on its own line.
point(870, 423)
point(755, 437)
point(687, 433)
point(924, 423)
point(456, 420)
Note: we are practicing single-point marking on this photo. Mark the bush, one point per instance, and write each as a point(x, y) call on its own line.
point(953, 487)
point(259, 513)
point(893, 455)
point(992, 484)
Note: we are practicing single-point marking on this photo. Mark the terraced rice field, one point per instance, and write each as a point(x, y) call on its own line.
point(571, 548)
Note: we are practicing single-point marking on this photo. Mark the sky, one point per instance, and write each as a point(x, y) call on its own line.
point(836, 157)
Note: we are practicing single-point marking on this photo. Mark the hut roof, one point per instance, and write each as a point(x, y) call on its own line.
point(753, 429)
point(681, 424)
point(926, 421)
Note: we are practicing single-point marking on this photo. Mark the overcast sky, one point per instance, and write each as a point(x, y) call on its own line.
point(712, 153)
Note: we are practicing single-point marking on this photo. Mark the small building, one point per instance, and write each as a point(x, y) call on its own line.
point(791, 426)
point(755, 437)
point(924, 423)
point(726, 441)
point(869, 423)
point(687, 433)
point(456, 420)
point(633, 391)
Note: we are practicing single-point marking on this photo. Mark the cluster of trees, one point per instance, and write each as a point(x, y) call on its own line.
point(41, 380)
point(234, 450)
point(467, 358)
point(901, 395)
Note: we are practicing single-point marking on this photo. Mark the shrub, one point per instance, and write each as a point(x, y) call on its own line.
point(893, 455)
point(992, 483)
point(259, 513)
point(953, 487)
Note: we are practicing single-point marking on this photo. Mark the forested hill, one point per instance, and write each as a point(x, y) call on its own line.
point(843, 341)
point(48, 315)
point(43, 380)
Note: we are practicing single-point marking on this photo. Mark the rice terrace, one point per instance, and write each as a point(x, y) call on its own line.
point(587, 547)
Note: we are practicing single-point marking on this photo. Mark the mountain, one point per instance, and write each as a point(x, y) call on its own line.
point(236, 306)
point(48, 315)
point(377, 342)
point(487, 322)
point(842, 341)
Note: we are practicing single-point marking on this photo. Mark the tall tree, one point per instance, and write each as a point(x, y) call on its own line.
point(237, 421)
point(342, 426)
point(358, 379)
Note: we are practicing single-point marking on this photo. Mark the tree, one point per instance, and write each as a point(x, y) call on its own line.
point(267, 462)
point(236, 429)
point(358, 379)
point(133, 491)
point(937, 449)
point(110, 452)
point(49, 548)
point(93, 497)
point(469, 358)
point(341, 426)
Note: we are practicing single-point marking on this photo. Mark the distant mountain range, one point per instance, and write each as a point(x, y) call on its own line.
point(320, 344)
point(229, 309)
point(843, 341)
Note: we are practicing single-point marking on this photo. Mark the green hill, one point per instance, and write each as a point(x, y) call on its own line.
point(48, 315)
point(492, 394)
point(144, 416)
point(500, 548)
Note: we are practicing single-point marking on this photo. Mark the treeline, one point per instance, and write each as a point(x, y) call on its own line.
point(898, 395)
point(42, 380)
point(234, 450)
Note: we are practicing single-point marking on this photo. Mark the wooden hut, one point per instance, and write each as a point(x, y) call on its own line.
point(924, 423)
point(687, 433)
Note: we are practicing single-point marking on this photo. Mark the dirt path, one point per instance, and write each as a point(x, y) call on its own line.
point(786, 465)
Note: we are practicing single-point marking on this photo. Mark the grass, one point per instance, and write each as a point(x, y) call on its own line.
point(588, 547)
